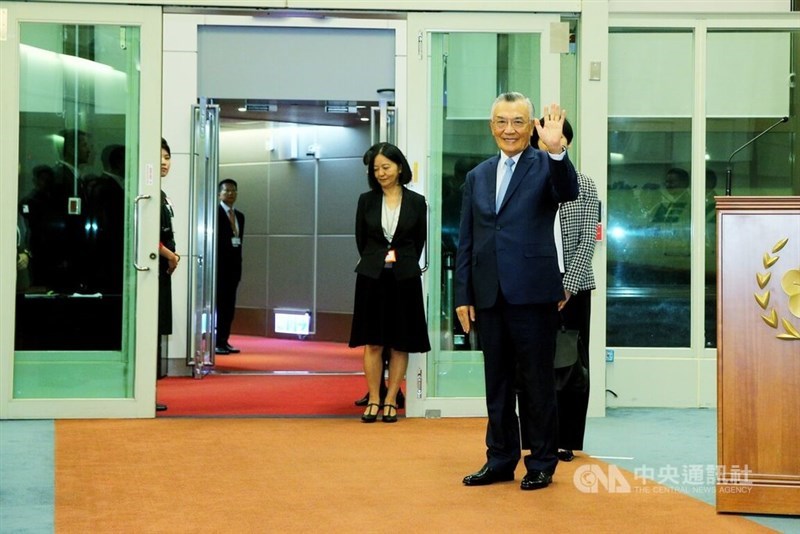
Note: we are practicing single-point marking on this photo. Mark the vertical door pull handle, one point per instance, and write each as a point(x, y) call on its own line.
point(136, 232)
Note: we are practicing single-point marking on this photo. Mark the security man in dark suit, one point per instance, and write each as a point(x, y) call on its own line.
point(509, 284)
point(230, 231)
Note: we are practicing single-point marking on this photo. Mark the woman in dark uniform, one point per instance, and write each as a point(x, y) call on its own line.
point(167, 263)
point(388, 312)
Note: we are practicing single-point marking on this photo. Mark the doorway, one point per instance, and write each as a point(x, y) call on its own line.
point(298, 168)
point(295, 150)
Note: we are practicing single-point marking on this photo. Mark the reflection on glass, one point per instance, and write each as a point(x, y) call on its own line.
point(648, 249)
point(78, 112)
point(649, 233)
point(768, 165)
point(764, 168)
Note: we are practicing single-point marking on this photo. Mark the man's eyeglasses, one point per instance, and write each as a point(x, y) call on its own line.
point(517, 124)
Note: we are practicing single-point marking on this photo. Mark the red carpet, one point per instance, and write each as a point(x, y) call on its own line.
point(270, 354)
point(253, 382)
point(272, 395)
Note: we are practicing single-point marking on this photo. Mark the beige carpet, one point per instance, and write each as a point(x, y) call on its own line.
point(331, 475)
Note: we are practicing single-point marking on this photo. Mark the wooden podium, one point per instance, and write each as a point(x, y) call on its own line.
point(758, 355)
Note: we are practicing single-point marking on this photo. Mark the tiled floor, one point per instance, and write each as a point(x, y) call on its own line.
point(669, 446)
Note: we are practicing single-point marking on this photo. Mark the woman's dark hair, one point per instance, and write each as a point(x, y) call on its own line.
point(368, 154)
point(566, 130)
point(392, 153)
point(165, 146)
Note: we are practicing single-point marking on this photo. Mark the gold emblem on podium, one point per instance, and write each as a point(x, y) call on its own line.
point(790, 283)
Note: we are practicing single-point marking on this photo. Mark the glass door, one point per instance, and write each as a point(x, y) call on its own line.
point(465, 62)
point(203, 178)
point(79, 179)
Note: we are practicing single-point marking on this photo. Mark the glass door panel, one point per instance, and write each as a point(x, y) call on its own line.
point(79, 102)
point(460, 104)
point(650, 231)
point(75, 128)
point(469, 62)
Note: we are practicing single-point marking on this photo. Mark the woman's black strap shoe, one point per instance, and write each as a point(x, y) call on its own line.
point(368, 416)
point(389, 413)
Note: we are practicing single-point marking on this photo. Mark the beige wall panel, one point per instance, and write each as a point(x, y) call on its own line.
point(645, 382)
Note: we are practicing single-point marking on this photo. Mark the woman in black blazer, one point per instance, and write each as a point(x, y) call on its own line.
point(388, 311)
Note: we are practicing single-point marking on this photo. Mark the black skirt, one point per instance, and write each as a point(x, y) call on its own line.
point(389, 313)
point(164, 299)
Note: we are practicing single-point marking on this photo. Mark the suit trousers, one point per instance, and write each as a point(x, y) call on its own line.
point(226, 307)
point(520, 338)
point(572, 405)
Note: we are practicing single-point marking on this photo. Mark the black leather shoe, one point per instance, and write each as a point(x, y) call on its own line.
point(222, 350)
point(565, 455)
point(535, 480)
point(232, 350)
point(161, 407)
point(487, 476)
point(363, 400)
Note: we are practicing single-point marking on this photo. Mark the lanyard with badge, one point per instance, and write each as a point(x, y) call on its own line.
point(389, 223)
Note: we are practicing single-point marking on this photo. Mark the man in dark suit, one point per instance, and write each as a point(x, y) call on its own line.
point(230, 230)
point(508, 283)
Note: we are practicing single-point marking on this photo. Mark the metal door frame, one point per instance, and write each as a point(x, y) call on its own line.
point(202, 279)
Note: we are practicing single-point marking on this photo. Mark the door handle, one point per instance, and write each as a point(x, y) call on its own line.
point(427, 242)
point(136, 231)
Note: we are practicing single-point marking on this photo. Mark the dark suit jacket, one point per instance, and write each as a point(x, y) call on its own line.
point(514, 249)
point(229, 258)
point(408, 240)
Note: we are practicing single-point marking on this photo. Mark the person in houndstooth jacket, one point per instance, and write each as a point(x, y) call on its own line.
point(577, 225)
